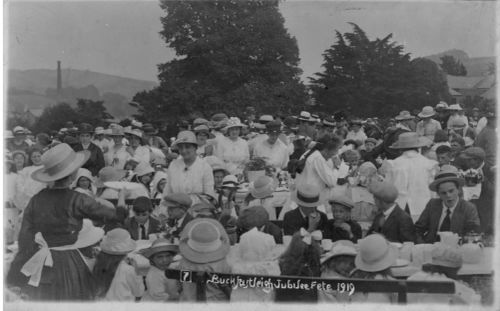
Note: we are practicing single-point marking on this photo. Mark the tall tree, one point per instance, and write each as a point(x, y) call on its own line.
point(231, 54)
point(452, 66)
point(91, 111)
point(367, 77)
point(54, 118)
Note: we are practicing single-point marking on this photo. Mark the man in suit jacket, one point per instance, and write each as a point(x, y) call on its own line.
point(391, 221)
point(96, 159)
point(141, 225)
point(177, 206)
point(449, 212)
point(306, 214)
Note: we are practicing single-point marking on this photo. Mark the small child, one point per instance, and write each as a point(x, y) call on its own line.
point(142, 224)
point(342, 227)
point(144, 175)
point(116, 278)
point(158, 184)
point(227, 195)
point(84, 183)
point(337, 264)
point(159, 288)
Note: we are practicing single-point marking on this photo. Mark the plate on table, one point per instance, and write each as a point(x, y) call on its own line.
point(400, 263)
point(123, 185)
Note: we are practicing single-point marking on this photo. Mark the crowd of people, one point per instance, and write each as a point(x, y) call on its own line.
point(80, 200)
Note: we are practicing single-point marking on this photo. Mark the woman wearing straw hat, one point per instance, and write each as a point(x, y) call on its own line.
point(261, 194)
point(427, 126)
point(137, 149)
point(117, 155)
point(411, 173)
point(189, 173)
point(50, 228)
point(96, 158)
point(202, 135)
point(233, 150)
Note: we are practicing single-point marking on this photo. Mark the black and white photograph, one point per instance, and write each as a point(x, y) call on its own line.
point(283, 153)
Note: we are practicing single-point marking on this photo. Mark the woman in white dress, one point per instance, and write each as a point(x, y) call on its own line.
point(117, 154)
point(233, 150)
point(136, 149)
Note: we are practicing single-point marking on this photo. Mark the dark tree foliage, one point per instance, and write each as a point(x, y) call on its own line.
point(230, 55)
point(55, 117)
point(366, 77)
point(92, 112)
point(452, 66)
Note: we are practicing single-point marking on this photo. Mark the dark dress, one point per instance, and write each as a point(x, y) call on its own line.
point(96, 159)
point(58, 215)
point(336, 233)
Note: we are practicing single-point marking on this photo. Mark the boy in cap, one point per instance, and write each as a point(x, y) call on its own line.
point(142, 224)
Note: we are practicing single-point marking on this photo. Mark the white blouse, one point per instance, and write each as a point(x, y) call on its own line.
point(126, 285)
point(233, 153)
point(197, 178)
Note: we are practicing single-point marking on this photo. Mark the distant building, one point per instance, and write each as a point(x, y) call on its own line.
point(463, 88)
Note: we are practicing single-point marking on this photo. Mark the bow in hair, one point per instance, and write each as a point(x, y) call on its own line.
point(308, 236)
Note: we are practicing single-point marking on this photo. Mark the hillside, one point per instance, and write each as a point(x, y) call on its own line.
point(475, 66)
point(41, 84)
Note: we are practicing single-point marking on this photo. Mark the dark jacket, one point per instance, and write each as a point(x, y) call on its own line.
point(398, 227)
point(463, 220)
point(275, 231)
point(187, 218)
point(96, 160)
point(293, 221)
point(132, 226)
point(336, 233)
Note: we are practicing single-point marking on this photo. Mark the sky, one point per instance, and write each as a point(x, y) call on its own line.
point(122, 38)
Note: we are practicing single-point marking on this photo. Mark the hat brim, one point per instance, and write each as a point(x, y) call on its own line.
point(41, 174)
point(199, 257)
point(241, 126)
point(331, 255)
point(421, 142)
point(434, 185)
point(90, 238)
point(149, 252)
point(210, 135)
point(386, 262)
point(403, 118)
point(176, 143)
point(302, 203)
point(421, 115)
point(126, 248)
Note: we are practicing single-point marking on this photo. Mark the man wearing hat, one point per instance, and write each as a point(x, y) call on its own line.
point(151, 138)
point(403, 125)
point(411, 172)
point(449, 212)
point(306, 215)
point(101, 141)
point(443, 114)
point(178, 217)
point(272, 149)
point(356, 132)
point(19, 140)
point(96, 159)
point(391, 221)
point(427, 126)
point(307, 124)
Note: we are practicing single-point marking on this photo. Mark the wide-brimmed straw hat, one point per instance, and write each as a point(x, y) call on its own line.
point(118, 242)
point(200, 121)
point(306, 195)
point(234, 122)
point(262, 187)
point(18, 130)
point(410, 140)
point(304, 116)
point(204, 240)
point(160, 245)
point(88, 235)
point(375, 254)
point(116, 131)
point(230, 181)
point(441, 106)
point(185, 137)
point(404, 115)
point(143, 168)
point(59, 162)
point(427, 112)
point(339, 248)
point(447, 173)
point(132, 131)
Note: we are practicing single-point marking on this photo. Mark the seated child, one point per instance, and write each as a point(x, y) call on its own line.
point(159, 287)
point(142, 224)
point(342, 227)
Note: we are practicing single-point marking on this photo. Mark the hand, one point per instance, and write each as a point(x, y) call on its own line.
point(336, 161)
point(346, 227)
point(125, 192)
point(313, 219)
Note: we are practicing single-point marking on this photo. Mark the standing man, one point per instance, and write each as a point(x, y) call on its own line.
point(96, 159)
point(449, 212)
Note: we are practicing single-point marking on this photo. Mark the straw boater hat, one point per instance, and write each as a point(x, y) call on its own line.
point(340, 248)
point(306, 195)
point(88, 235)
point(262, 187)
point(118, 242)
point(442, 106)
point(410, 140)
point(134, 132)
point(19, 130)
point(99, 130)
point(446, 173)
point(375, 254)
point(185, 137)
point(404, 115)
point(455, 107)
point(59, 162)
point(304, 116)
point(204, 240)
point(159, 246)
point(329, 121)
point(265, 118)
point(426, 112)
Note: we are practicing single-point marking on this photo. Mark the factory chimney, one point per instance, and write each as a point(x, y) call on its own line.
point(59, 80)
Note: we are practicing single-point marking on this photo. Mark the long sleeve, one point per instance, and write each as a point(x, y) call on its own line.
point(398, 176)
point(208, 180)
point(159, 287)
point(328, 175)
point(423, 223)
point(99, 161)
point(406, 230)
point(135, 282)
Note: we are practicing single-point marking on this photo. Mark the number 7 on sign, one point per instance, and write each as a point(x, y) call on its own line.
point(186, 276)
